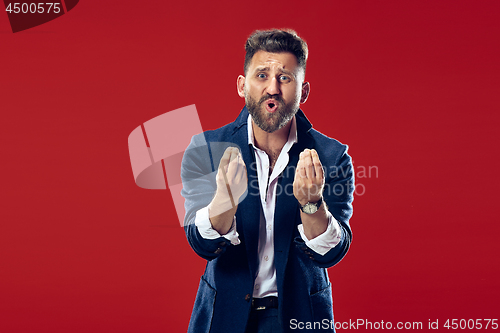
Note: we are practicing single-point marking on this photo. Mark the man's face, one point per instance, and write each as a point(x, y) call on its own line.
point(273, 89)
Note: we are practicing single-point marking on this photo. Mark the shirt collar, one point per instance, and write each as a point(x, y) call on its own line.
point(292, 136)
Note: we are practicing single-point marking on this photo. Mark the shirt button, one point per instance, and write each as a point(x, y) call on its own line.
point(266, 258)
point(269, 226)
point(257, 287)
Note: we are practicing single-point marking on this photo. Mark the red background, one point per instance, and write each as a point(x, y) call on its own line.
point(412, 86)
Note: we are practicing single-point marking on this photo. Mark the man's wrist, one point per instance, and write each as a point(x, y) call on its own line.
point(314, 199)
point(311, 207)
point(221, 206)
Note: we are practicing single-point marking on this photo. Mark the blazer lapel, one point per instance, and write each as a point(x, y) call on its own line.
point(250, 208)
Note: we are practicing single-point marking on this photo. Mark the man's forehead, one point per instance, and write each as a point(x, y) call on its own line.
point(267, 60)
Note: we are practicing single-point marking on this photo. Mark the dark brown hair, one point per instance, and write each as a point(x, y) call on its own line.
point(276, 41)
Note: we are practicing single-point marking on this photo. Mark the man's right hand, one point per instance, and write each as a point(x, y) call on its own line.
point(231, 185)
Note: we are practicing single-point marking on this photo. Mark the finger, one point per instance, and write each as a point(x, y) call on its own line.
point(301, 169)
point(241, 177)
point(241, 159)
point(230, 193)
point(308, 165)
point(224, 161)
point(318, 168)
point(238, 163)
point(303, 154)
point(230, 166)
point(232, 154)
point(242, 166)
point(234, 167)
point(230, 174)
point(227, 186)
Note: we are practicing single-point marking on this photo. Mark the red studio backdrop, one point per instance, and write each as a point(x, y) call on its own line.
point(411, 86)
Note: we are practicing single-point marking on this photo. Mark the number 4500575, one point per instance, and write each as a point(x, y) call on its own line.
point(40, 8)
point(471, 324)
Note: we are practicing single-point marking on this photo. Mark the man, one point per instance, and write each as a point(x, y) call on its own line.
point(268, 202)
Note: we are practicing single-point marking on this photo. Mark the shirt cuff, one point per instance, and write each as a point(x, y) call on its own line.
point(327, 240)
point(202, 222)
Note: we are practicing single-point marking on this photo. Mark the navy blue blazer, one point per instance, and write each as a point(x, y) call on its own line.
point(224, 296)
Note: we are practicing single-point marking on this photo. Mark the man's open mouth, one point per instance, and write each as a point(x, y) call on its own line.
point(271, 105)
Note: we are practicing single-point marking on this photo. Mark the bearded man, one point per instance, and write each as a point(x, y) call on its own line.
point(268, 201)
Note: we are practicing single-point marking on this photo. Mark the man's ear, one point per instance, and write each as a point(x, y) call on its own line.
point(240, 85)
point(306, 88)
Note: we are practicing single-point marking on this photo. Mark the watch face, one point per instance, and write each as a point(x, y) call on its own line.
point(310, 208)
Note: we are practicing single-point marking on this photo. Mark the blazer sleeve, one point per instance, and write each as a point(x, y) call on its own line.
point(338, 195)
point(198, 188)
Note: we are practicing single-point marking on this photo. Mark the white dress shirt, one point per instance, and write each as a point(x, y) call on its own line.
point(265, 281)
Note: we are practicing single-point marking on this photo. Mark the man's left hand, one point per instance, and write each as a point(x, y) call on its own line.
point(309, 177)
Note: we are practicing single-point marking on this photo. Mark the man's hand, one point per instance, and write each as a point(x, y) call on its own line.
point(231, 176)
point(231, 185)
point(309, 177)
point(308, 187)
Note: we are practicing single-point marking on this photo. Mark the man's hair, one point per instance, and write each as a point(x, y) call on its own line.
point(276, 41)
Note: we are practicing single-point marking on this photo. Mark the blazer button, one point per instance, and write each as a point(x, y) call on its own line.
point(219, 250)
point(247, 297)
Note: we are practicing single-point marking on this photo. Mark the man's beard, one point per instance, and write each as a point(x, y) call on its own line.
point(267, 121)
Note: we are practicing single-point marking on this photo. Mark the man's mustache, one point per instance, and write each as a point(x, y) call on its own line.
point(277, 98)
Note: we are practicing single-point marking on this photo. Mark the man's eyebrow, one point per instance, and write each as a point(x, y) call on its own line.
point(267, 69)
point(262, 69)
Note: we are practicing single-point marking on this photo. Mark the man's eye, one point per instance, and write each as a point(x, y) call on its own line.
point(284, 78)
point(261, 76)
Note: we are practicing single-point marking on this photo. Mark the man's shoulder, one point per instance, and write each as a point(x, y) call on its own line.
point(225, 132)
point(322, 143)
point(325, 141)
point(217, 134)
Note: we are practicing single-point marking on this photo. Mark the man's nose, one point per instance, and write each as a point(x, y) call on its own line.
point(274, 87)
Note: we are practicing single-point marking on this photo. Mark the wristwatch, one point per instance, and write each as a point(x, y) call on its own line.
point(311, 207)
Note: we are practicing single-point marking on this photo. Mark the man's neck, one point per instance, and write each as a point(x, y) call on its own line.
point(271, 143)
